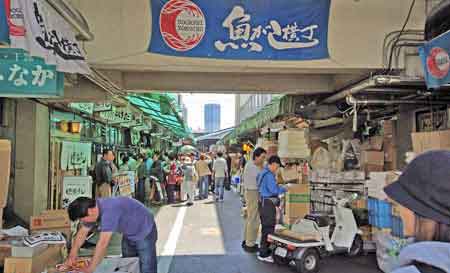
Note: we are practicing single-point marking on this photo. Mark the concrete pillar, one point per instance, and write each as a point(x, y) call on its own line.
point(405, 126)
point(32, 159)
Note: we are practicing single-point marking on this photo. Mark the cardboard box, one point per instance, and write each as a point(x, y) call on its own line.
point(5, 252)
point(376, 143)
point(50, 221)
point(372, 161)
point(23, 251)
point(290, 174)
point(390, 150)
point(389, 127)
point(37, 264)
point(5, 170)
point(297, 201)
point(427, 141)
point(1, 218)
point(289, 221)
point(373, 168)
point(372, 158)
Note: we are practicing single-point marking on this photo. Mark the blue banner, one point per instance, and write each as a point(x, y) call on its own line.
point(24, 76)
point(241, 29)
point(436, 61)
point(4, 28)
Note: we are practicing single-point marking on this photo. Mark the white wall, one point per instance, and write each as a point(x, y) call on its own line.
point(356, 32)
point(32, 159)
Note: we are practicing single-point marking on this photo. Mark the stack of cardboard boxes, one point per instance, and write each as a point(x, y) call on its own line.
point(5, 169)
point(52, 220)
point(390, 145)
point(296, 203)
point(293, 143)
point(372, 155)
point(379, 153)
point(427, 141)
point(36, 262)
point(37, 259)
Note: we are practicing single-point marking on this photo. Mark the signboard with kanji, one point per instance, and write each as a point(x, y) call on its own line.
point(243, 30)
point(28, 77)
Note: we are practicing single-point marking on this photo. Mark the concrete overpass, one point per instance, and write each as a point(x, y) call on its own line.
point(357, 30)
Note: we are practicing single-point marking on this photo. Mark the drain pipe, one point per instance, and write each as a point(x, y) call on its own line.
point(73, 17)
point(371, 82)
point(353, 101)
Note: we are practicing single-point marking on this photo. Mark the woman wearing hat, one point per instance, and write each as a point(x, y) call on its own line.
point(424, 192)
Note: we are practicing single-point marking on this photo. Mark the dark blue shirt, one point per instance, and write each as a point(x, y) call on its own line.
point(267, 184)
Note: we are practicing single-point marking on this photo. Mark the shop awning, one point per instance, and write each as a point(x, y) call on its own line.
point(281, 105)
point(162, 110)
point(218, 135)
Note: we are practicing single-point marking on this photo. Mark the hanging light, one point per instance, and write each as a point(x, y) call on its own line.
point(63, 126)
point(75, 127)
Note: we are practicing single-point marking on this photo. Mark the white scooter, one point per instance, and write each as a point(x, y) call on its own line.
point(345, 238)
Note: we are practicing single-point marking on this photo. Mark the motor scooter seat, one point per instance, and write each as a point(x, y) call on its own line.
point(321, 220)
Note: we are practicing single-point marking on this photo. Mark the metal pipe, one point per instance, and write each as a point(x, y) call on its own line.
point(390, 90)
point(352, 101)
point(73, 17)
point(377, 81)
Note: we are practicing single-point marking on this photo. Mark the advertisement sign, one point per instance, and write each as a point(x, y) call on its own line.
point(75, 155)
point(241, 30)
point(42, 32)
point(74, 187)
point(102, 107)
point(87, 108)
point(24, 76)
point(436, 61)
point(4, 28)
point(123, 116)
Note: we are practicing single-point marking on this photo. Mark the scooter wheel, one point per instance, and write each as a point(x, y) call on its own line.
point(357, 247)
point(280, 260)
point(309, 262)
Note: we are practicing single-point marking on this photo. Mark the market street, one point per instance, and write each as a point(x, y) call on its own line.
point(209, 241)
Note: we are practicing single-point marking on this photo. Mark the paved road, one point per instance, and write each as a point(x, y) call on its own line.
point(206, 238)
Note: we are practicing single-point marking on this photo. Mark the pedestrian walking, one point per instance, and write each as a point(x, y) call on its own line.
point(125, 167)
point(203, 172)
point(104, 174)
point(142, 175)
point(249, 183)
point(269, 192)
point(118, 214)
point(190, 178)
point(173, 175)
point(157, 175)
point(220, 172)
point(228, 179)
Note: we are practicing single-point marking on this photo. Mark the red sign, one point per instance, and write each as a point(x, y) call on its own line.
point(182, 24)
point(438, 63)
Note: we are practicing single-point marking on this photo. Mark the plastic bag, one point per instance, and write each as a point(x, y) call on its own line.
point(388, 251)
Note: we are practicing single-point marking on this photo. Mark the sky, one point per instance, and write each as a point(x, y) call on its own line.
point(195, 106)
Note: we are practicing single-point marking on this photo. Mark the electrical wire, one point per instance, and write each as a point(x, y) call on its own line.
point(400, 34)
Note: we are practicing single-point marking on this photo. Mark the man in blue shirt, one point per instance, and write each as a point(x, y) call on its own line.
point(269, 200)
point(119, 214)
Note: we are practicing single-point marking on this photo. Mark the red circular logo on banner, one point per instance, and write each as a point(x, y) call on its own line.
point(182, 24)
point(438, 63)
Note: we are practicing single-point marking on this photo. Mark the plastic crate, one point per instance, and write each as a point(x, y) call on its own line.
point(397, 227)
point(380, 213)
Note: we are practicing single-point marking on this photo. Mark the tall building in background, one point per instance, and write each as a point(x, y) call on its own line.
point(212, 117)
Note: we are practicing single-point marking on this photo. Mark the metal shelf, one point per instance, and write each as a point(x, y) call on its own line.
point(331, 189)
point(336, 183)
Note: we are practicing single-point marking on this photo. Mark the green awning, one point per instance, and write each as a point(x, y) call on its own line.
point(281, 105)
point(161, 108)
